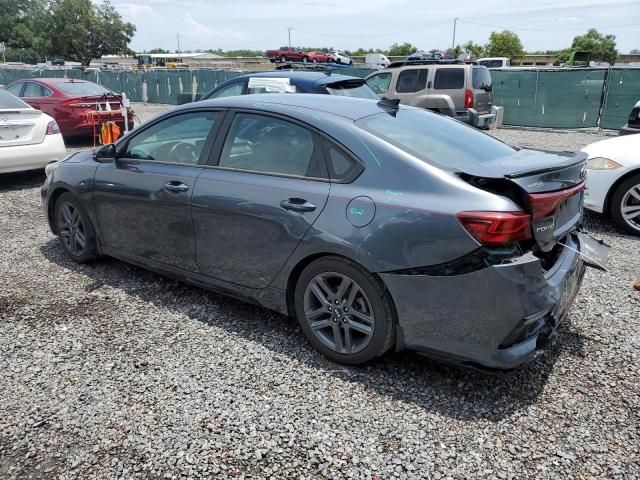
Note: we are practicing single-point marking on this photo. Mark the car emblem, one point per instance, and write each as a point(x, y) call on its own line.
point(583, 172)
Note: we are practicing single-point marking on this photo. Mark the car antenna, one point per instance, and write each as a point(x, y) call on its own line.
point(391, 106)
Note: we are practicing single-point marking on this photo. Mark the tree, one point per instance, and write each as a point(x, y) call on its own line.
point(475, 48)
point(403, 50)
point(504, 44)
point(635, 51)
point(601, 47)
point(80, 31)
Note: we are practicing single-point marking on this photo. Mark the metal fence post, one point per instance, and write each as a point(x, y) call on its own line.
point(607, 80)
point(535, 100)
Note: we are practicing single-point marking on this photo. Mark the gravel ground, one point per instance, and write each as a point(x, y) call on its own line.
point(109, 371)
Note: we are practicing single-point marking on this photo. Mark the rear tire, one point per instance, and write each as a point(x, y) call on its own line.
point(625, 205)
point(344, 311)
point(74, 228)
point(283, 59)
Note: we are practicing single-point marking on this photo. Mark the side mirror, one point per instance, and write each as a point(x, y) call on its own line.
point(105, 154)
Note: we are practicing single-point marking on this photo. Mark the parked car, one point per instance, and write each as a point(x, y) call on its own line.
point(339, 57)
point(375, 225)
point(376, 61)
point(451, 87)
point(77, 105)
point(613, 180)
point(293, 81)
point(29, 139)
point(495, 62)
point(286, 54)
point(633, 124)
point(317, 57)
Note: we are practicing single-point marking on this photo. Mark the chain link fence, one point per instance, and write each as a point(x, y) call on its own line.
point(553, 98)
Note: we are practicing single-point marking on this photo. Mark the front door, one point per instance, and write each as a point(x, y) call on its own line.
point(252, 209)
point(142, 199)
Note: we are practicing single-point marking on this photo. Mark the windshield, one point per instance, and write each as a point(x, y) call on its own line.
point(83, 88)
point(352, 88)
point(8, 101)
point(435, 139)
point(481, 78)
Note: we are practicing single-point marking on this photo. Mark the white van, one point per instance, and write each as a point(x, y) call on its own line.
point(376, 61)
point(495, 62)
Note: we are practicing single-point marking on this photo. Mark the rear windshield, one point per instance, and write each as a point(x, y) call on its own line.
point(435, 139)
point(8, 101)
point(82, 88)
point(481, 78)
point(351, 88)
point(491, 63)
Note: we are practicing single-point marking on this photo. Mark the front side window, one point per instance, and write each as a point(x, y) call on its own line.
point(179, 139)
point(271, 145)
point(449, 78)
point(380, 83)
point(412, 80)
point(229, 91)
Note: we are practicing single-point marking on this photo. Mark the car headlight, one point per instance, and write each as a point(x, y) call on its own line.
point(51, 166)
point(601, 163)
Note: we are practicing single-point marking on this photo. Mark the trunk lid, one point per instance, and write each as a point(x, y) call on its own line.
point(20, 127)
point(548, 186)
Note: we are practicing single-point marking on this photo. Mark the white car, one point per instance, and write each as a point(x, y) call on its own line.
point(613, 180)
point(29, 139)
point(339, 57)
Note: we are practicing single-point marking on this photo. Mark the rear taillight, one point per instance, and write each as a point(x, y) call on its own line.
point(77, 103)
point(53, 128)
point(544, 204)
point(496, 228)
point(468, 98)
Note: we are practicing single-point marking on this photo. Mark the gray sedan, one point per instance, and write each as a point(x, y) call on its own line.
point(377, 226)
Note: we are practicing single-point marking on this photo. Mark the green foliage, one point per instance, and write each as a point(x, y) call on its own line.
point(156, 50)
point(236, 53)
point(403, 50)
point(602, 47)
point(475, 48)
point(24, 55)
point(635, 51)
point(504, 44)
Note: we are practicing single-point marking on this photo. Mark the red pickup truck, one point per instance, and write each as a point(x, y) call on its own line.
point(286, 54)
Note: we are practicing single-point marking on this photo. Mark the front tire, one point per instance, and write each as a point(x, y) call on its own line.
point(344, 311)
point(283, 59)
point(74, 229)
point(625, 205)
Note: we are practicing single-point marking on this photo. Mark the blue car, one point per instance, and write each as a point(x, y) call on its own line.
point(292, 81)
point(377, 226)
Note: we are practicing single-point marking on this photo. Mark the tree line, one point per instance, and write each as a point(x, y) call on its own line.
point(76, 30)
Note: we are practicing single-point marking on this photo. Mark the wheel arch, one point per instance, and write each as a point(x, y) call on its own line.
point(614, 187)
point(51, 206)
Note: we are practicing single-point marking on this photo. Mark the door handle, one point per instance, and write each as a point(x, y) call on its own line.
point(176, 187)
point(297, 205)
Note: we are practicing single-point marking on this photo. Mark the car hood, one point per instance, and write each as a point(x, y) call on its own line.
point(623, 150)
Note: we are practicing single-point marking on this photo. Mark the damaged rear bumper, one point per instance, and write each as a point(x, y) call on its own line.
point(499, 317)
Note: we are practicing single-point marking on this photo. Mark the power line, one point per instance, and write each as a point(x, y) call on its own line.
point(447, 22)
point(545, 29)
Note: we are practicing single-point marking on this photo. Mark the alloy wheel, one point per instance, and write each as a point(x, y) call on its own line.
point(630, 207)
point(71, 229)
point(339, 312)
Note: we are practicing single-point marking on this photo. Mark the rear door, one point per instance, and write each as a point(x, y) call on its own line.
point(449, 80)
point(411, 86)
point(266, 187)
point(142, 199)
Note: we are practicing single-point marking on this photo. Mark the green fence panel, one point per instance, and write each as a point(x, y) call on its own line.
point(515, 91)
point(623, 93)
point(569, 98)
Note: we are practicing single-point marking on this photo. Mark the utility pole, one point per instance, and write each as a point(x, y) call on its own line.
point(179, 56)
point(453, 42)
point(289, 36)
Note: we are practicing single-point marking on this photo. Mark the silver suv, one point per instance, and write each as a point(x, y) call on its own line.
point(454, 88)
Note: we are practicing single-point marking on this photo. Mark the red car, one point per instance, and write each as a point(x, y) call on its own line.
point(78, 106)
point(286, 54)
point(319, 57)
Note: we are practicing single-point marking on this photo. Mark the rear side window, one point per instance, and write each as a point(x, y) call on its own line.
point(481, 78)
point(379, 83)
point(33, 90)
point(449, 78)
point(229, 91)
point(412, 80)
point(7, 100)
point(341, 166)
point(266, 144)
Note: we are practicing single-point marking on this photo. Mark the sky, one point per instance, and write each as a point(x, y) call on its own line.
point(350, 24)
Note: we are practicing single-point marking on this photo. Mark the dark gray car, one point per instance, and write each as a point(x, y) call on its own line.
point(377, 226)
